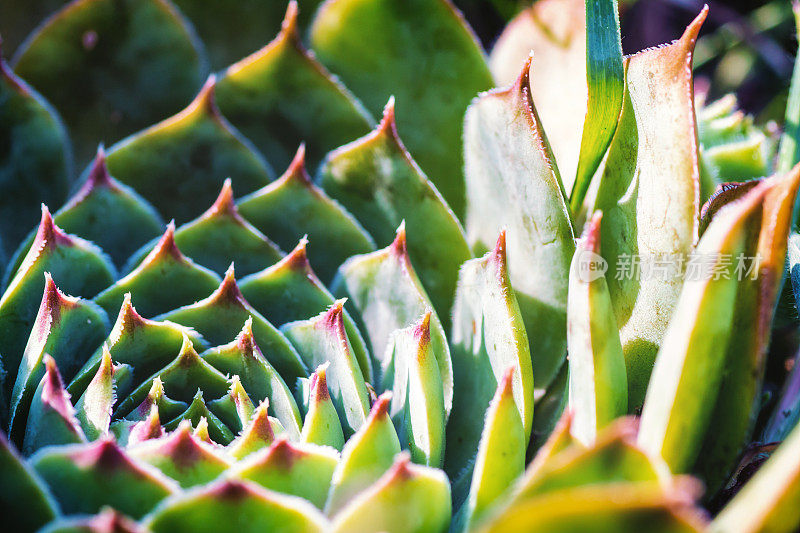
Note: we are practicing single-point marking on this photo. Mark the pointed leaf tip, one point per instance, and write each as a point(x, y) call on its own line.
point(53, 392)
point(590, 240)
point(381, 406)
point(205, 101)
point(225, 203)
point(228, 290)
point(147, 429)
point(54, 301)
point(245, 339)
point(422, 329)
point(399, 245)
point(289, 25)
point(388, 123)
point(319, 383)
point(48, 234)
point(297, 259)
point(297, 168)
point(166, 247)
point(188, 355)
point(98, 174)
point(689, 36)
point(506, 385)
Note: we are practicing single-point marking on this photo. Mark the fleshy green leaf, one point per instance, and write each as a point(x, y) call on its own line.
point(243, 358)
point(230, 34)
point(768, 501)
point(111, 67)
point(378, 181)
point(738, 403)
point(407, 498)
point(605, 508)
point(104, 211)
point(290, 290)
point(365, 457)
point(688, 371)
point(25, 502)
point(259, 434)
point(281, 96)
point(36, 161)
point(303, 470)
point(605, 78)
point(555, 32)
point(648, 194)
point(51, 419)
point(321, 425)
point(55, 252)
point(157, 398)
point(164, 280)
point(400, 47)
point(182, 457)
point(182, 377)
point(598, 386)
point(321, 340)
point(235, 408)
point(107, 521)
point(219, 236)
point(67, 329)
point(293, 206)
point(199, 415)
point(129, 432)
point(85, 477)
point(179, 164)
point(256, 510)
point(143, 345)
point(613, 457)
point(220, 316)
point(94, 407)
point(501, 454)
point(417, 394)
point(511, 183)
point(488, 338)
point(388, 295)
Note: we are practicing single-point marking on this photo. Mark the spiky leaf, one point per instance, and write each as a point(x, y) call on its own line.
point(111, 67)
point(403, 45)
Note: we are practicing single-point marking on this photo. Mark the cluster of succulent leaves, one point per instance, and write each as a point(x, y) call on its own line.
point(404, 366)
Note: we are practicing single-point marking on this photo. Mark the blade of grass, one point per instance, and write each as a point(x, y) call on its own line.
point(605, 77)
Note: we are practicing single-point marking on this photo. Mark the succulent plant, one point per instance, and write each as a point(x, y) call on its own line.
point(401, 332)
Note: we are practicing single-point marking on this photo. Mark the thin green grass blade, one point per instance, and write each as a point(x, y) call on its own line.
point(605, 78)
point(789, 151)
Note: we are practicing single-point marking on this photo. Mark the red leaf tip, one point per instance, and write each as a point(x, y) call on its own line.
point(388, 123)
point(53, 392)
point(590, 240)
point(166, 247)
point(297, 259)
point(289, 24)
point(206, 101)
point(48, 234)
point(225, 203)
point(297, 168)
point(399, 244)
point(319, 383)
point(381, 406)
point(228, 290)
point(98, 173)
